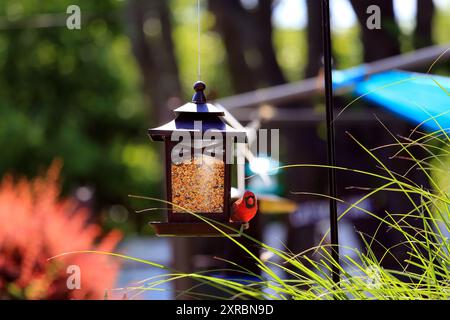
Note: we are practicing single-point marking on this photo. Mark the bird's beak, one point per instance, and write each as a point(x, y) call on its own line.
point(250, 202)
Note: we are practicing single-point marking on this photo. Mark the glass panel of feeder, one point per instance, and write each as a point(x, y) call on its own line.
point(198, 184)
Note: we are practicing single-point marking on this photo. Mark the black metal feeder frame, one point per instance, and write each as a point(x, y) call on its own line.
point(198, 177)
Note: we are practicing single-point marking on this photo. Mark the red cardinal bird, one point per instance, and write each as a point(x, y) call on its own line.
point(245, 208)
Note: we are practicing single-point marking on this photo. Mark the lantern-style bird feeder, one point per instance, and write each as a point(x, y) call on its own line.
point(198, 158)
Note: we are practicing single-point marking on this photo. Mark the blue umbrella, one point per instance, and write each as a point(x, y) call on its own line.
point(420, 98)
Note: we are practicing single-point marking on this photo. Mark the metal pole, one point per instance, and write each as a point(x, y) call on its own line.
point(330, 137)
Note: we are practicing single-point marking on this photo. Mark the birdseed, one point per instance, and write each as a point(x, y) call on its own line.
point(198, 185)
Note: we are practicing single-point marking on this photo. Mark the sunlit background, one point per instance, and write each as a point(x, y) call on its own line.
point(81, 99)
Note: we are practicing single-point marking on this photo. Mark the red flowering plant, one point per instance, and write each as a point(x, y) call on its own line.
point(35, 225)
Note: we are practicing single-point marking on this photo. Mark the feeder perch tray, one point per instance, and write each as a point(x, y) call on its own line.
point(197, 229)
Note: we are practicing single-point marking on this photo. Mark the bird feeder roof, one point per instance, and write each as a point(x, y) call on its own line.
point(188, 125)
point(209, 115)
point(207, 108)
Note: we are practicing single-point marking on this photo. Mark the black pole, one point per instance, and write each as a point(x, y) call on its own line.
point(330, 137)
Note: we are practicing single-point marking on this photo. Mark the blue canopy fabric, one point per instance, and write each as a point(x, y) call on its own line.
point(349, 77)
point(420, 98)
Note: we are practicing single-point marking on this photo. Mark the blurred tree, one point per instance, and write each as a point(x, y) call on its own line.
point(247, 35)
point(314, 35)
point(423, 33)
point(264, 32)
point(378, 43)
point(231, 30)
point(150, 29)
point(70, 94)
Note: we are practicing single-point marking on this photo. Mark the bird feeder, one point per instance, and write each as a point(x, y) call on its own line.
point(198, 161)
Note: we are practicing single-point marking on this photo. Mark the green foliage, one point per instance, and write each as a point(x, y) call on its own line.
point(347, 48)
point(74, 95)
point(291, 48)
point(213, 56)
point(441, 26)
point(441, 173)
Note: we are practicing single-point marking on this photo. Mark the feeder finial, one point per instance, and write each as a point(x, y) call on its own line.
point(199, 96)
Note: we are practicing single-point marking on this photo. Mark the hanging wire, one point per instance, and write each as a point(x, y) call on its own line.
point(199, 74)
